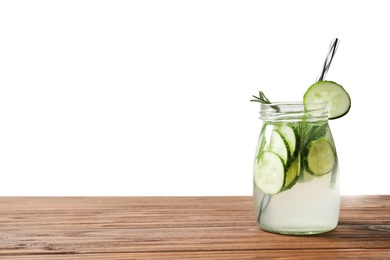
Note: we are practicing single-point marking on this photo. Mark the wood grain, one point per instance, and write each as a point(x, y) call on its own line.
point(180, 227)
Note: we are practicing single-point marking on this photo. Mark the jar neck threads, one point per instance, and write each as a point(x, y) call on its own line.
point(293, 112)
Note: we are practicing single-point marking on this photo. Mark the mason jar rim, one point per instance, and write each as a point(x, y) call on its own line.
point(294, 111)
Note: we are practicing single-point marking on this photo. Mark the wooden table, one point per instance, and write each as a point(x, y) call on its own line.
point(179, 228)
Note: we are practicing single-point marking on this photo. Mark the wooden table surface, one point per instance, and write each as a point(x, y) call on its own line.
point(179, 228)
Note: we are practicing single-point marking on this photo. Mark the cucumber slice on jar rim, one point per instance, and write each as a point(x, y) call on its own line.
point(331, 93)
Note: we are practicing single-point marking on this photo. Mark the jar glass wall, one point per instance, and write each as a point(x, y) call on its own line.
point(296, 176)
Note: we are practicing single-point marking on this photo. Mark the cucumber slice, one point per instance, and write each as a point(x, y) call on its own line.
point(292, 175)
point(331, 93)
point(279, 145)
point(320, 158)
point(269, 173)
point(289, 136)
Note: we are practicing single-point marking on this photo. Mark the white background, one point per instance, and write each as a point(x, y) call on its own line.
point(152, 97)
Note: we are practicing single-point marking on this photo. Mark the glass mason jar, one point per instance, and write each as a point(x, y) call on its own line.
point(296, 177)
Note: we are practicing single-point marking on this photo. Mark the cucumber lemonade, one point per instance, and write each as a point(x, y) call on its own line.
point(295, 171)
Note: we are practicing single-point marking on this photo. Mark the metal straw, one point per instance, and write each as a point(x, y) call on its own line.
point(332, 49)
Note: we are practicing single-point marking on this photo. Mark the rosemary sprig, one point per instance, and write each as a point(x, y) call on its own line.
point(261, 98)
point(264, 100)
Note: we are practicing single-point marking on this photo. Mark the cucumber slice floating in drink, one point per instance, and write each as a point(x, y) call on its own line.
point(331, 93)
point(320, 157)
point(277, 167)
point(292, 174)
point(289, 135)
point(278, 144)
point(269, 173)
